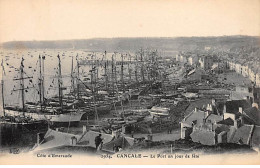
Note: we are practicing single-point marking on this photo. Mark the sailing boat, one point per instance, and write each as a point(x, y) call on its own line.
point(123, 95)
point(100, 104)
point(57, 115)
point(19, 131)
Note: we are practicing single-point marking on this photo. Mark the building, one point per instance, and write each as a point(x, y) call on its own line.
point(246, 68)
point(256, 95)
point(220, 66)
point(193, 60)
point(206, 62)
point(58, 139)
point(177, 57)
point(195, 75)
point(231, 65)
point(181, 57)
point(257, 81)
point(222, 122)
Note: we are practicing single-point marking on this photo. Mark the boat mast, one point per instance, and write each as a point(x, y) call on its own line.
point(130, 73)
point(149, 66)
point(77, 77)
point(112, 64)
point(21, 79)
point(136, 77)
point(115, 70)
point(40, 81)
point(142, 65)
point(22, 84)
point(129, 70)
point(71, 75)
point(96, 73)
point(60, 83)
point(92, 76)
point(96, 88)
point(106, 76)
point(2, 82)
point(93, 86)
point(122, 73)
point(43, 89)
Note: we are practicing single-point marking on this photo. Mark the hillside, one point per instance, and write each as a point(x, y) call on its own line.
point(133, 44)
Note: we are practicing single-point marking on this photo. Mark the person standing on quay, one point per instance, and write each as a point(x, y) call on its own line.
point(98, 141)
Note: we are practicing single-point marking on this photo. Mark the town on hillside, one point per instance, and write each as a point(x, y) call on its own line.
point(202, 99)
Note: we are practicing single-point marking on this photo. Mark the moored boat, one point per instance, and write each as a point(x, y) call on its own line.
point(159, 111)
point(18, 132)
point(69, 118)
point(55, 111)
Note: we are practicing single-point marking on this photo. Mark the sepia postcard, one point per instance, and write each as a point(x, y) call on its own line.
point(128, 82)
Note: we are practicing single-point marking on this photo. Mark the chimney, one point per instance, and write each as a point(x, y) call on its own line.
point(38, 139)
point(113, 133)
point(241, 119)
point(206, 114)
point(255, 105)
point(224, 109)
point(73, 140)
point(116, 134)
point(84, 129)
point(213, 102)
point(240, 110)
point(123, 129)
point(208, 107)
point(212, 128)
point(235, 124)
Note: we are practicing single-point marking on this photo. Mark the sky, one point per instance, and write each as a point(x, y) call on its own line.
point(22, 20)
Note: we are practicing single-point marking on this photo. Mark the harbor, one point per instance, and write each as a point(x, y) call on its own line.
point(120, 82)
point(103, 96)
point(100, 102)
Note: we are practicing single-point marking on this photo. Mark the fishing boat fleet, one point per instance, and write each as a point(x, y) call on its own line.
point(18, 130)
point(88, 98)
point(54, 110)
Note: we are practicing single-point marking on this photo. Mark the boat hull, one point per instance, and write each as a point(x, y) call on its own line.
point(159, 111)
point(21, 135)
point(101, 110)
point(58, 119)
point(104, 108)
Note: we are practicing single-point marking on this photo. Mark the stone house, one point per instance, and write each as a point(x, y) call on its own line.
point(206, 62)
point(223, 122)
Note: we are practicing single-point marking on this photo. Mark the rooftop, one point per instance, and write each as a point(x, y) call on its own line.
point(197, 104)
point(222, 127)
point(55, 138)
point(233, 106)
point(89, 138)
point(227, 121)
point(197, 118)
point(242, 134)
point(254, 114)
point(213, 118)
point(194, 116)
point(256, 136)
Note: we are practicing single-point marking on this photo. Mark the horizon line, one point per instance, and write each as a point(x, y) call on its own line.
point(127, 37)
